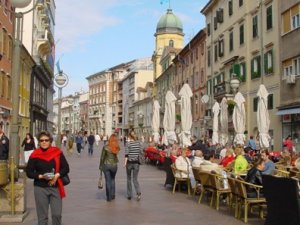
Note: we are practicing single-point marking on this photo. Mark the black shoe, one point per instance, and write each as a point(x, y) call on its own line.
point(129, 198)
point(138, 197)
point(113, 197)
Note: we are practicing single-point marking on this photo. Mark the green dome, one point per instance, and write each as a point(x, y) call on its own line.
point(169, 23)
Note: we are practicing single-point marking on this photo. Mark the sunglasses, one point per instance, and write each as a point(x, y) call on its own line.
point(44, 140)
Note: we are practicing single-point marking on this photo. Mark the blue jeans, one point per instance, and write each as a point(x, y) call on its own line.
point(110, 171)
point(132, 169)
point(91, 149)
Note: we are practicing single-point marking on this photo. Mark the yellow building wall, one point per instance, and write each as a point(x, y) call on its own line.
point(162, 40)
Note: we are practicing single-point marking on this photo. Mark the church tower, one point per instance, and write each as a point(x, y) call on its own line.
point(169, 32)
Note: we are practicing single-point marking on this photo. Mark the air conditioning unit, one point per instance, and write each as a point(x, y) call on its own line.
point(291, 79)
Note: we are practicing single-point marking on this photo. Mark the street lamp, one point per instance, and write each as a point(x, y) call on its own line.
point(60, 80)
point(14, 147)
point(234, 83)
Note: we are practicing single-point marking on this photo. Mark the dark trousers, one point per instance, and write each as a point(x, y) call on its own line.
point(110, 172)
point(78, 145)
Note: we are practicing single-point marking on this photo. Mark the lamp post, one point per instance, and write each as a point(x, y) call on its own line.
point(234, 83)
point(14, 147)
point(60, 81)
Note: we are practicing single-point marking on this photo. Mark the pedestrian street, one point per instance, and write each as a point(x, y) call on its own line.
point(86, 204)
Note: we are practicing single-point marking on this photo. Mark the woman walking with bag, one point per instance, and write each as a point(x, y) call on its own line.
point(132, 151)
point(29, 146)
point(47, 165)
point(109, 165)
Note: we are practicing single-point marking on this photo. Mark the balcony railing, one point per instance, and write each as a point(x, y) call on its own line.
point(222, 89)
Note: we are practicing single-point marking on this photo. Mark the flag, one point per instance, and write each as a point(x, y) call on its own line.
point(58, 66)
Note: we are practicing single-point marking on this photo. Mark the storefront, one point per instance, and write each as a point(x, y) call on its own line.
point(291, 124)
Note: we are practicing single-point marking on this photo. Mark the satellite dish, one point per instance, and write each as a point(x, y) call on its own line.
point(205, 99)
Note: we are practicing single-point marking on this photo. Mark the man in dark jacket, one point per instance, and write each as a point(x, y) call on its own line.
point(91, 141)
point(197, 145)
point(4, 145)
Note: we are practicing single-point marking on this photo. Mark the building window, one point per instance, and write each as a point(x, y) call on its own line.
point(270, 101)
point(230, 7)
point(208, 57)
point(220, 17)
point(208, 29)
point(255, 67)
point(216, 52)
point(288, 70)
point(255, 103)
point(254, 27)
point(221, 47)
point(215, 23)
point(269, 18)
point(268, 63)
point(243, 71)
point(241, 2)
point(296, 66)
point(231, 41)
point(209, 87)
point(171, 43)
point(295, 21)
point(242, 40)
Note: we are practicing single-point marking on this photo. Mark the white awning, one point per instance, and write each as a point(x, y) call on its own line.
point(288, 111)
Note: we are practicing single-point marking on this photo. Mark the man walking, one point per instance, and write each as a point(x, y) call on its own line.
point(79, 142)
point(91, 141)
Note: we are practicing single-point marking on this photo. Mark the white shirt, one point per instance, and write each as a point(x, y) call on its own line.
point(197, 161)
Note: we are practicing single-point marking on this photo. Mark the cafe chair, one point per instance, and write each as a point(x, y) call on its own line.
point(180, 180)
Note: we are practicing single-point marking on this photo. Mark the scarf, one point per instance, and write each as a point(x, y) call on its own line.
point(48, 155)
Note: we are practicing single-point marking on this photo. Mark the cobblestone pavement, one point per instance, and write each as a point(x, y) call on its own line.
point(85, 204)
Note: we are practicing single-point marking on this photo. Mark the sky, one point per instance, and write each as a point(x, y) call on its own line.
point(94, 35)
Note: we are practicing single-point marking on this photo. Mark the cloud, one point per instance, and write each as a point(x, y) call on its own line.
point(78, 20)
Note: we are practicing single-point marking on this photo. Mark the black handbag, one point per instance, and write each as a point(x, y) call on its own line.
point(65, 179)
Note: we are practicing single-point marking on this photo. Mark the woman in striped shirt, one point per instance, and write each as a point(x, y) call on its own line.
point(132, 151)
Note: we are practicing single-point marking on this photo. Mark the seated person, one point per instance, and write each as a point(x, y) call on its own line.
point(207, 165)
point(184, 167)
point(254, 176)
point(198, 158)
point(247, 154)
point(269, 165)
point(228, 159)
point(224, 150)
point(240, 163)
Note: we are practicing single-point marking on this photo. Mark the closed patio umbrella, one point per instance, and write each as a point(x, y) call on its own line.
point(263, 121)
point(215, 135)
point(239, 118)
point(223, 122)
point(186, 114)
point(156, 121)
point(169, 119)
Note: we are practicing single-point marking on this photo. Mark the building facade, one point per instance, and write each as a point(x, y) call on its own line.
point(190, 68)
point(138, 75)
point(38, 38)
point(289, 109)
point(243, 41)
point(104, 100)
point(6, 42)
